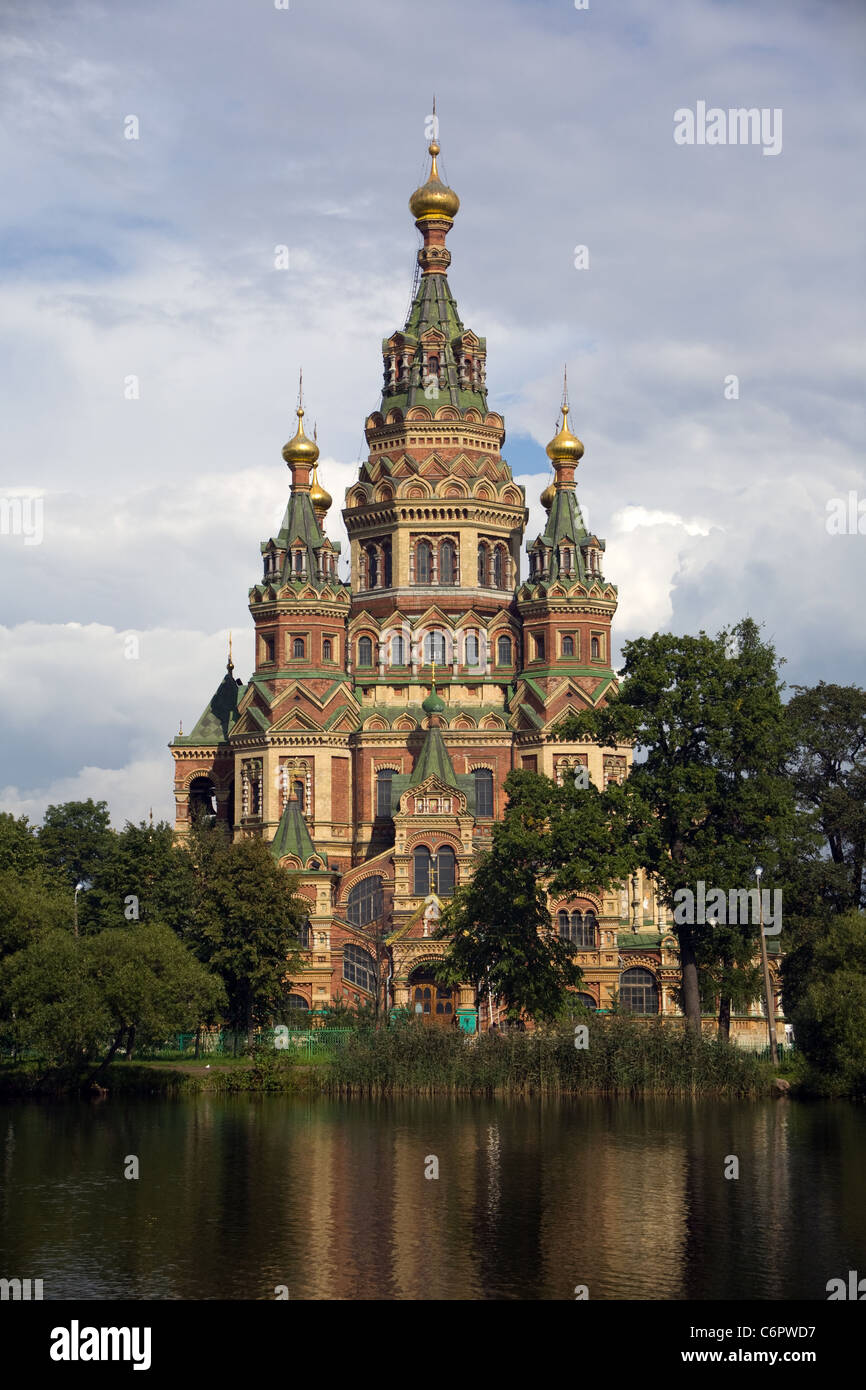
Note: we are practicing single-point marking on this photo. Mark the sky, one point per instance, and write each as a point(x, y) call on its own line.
point(151, 335)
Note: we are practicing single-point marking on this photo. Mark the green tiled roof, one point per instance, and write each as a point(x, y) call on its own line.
point(215, 723)
point(433, 761)
point(293, 836)
point(644, 940)
point(434, 307)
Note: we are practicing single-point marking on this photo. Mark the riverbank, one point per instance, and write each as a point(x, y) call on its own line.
point(613, 1057)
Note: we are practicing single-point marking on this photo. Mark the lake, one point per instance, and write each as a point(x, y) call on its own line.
point(238, 1195)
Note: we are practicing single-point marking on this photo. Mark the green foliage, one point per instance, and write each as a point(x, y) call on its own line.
point(624, 1057)
point(708, 797)
point(498, 927)
point(828, 1009)
point(245, 926)
point(141, 861)
point(74, 999)
point(74, 839)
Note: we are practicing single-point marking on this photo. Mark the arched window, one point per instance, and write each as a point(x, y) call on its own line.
point(446, 868)
point(483, 791)
point(595, 649)
point(202, 799)
point(583, 930)
point(297, 1001)
point(503, 651)
point(398, 651)
point(448, 563)
point(568, 646)
point(386, 560)
point(434, 648)
point(472, 649)
point(498, 568)
point(298, 789)
point(424, 563)
point(299, 562)
point(326, 649)
point(359, 968)
point(565, 559)
point(374, 567)
point(638, 991)
point(483, 562)
point(366, 901)
point(365, 651)
point(586, 1000)
point(383, 791)
point(433, 365)
point(421, 871)
point(298, 648)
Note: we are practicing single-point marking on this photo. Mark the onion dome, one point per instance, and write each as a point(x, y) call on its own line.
point(434, 704)
point(319, 496)
point(434, 199)
point(300, 449)
point(547, 497)
point(565, 447)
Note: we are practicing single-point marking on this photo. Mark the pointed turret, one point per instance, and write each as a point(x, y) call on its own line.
point(293, 836)
point(434, 759)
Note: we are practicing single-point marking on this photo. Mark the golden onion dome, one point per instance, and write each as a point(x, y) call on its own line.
point(547, 497)
point(434, 198)
point(300, 449)
point(320, 498)
point(565, 447)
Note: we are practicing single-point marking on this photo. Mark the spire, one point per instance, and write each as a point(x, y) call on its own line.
point(565, 449)
point(434, 206)
point(293, 835)
point(300, 453)
point(230, 665)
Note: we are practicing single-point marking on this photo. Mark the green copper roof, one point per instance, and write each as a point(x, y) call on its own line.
point(434, 307)
point(434, 761)
point(293, 836)
point(216, 721)
point(565, 525)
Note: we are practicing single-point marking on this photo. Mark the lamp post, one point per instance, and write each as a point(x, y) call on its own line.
point(768, 991)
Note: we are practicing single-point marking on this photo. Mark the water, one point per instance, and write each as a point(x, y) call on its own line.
point(237, 1196)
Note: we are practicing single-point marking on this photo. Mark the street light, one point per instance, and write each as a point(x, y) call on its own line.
point(78, 888)
point(768, 992)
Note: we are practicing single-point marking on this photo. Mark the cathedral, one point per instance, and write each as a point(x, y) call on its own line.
point(370, 745)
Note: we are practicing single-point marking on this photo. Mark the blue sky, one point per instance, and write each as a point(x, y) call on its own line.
point(260, 127)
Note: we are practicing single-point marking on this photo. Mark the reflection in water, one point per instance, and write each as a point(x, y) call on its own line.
point(239, 1195)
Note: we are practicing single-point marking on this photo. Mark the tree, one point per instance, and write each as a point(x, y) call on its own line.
point(246, 926)
point(827, 767)
point(552, 840)
point(76, 999)
point(74, 839)
point(708, 785)
point(829, 1011)
point(142, 875)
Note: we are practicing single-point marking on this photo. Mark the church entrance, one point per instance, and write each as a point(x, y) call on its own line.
point(432, 1002)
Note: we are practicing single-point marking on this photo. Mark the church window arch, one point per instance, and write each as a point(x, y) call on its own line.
point(398, 650)
point(483, 792)
point(483, 562)
point(448, 562)
point(434, 648)
point(326, 649)
point(503, 651)
point(365, 651)
point(568, 645)
point(638, 991)
point(366, 901)
point(298, 650)
point(424, 563)
point(473, 649)
point(359, 968)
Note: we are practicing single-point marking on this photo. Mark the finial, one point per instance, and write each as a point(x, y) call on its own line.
point(180, 730)
point(151, 817)
point(230, 665)
point(434, 675)
point(300, 388)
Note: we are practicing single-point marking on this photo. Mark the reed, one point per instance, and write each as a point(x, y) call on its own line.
point(623, 1058)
